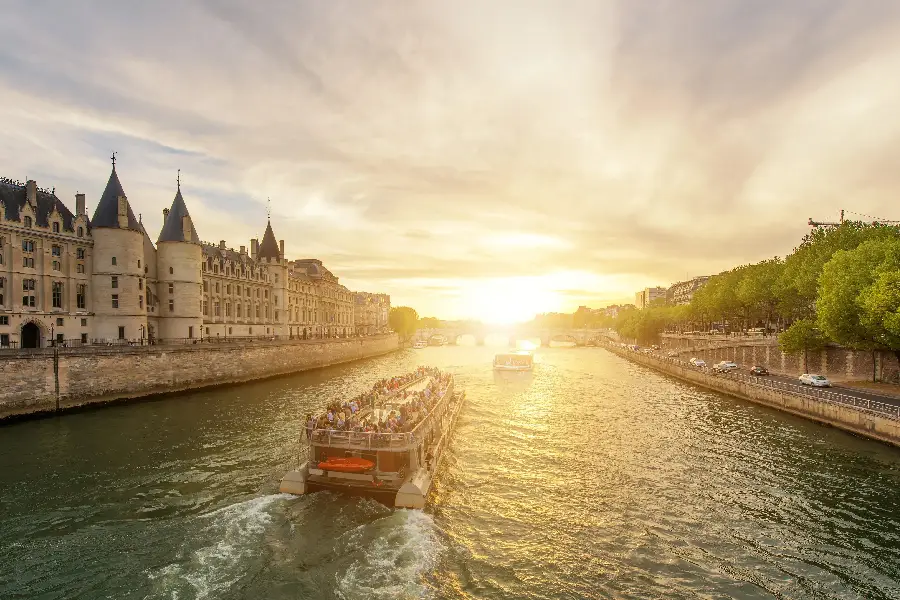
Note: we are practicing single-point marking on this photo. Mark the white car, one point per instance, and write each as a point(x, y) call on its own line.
point(814, 380)
point(724, 366)
point(698, 362)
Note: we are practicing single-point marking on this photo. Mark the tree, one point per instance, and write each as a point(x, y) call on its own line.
point(430, 323)
point(404, 320)
point(802, 336)
point(859, 296)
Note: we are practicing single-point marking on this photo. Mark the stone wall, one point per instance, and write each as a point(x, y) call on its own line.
point(835, 362)
point(843, 417)
point(96, 375)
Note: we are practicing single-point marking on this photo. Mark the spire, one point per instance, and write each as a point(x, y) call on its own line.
point(268, 248)
point(174, 229)
point(107, 212)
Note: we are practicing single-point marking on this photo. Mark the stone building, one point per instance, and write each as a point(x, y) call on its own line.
point(371, 312)
point(683, 291)
point(103, 280)
point(647, 296)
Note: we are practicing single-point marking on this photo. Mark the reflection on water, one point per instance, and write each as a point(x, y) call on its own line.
point(587, 477)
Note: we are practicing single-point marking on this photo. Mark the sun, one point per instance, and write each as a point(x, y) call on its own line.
point(507, 300)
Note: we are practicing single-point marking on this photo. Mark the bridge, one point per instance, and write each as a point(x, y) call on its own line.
point(514, 333)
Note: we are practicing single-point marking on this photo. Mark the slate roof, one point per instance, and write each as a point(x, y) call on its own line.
point(107, 212)
point(268, 248)
point(14, 198)
point(172, 230)
point(228, 254)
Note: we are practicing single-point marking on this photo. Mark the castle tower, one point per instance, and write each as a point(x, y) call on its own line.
point(271, 253)
point(179, 257)
point(117, 281)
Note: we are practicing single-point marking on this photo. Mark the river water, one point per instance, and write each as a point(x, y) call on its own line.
point(589, 478)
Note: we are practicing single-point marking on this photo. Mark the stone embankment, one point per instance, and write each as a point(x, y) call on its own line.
point(835, 362)
point(48, 381)
point(857, 419)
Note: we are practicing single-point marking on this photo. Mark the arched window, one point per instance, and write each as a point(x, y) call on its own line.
point(81, 232)
point(171, 271)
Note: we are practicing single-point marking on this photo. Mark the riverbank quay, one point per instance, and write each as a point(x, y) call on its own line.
point(52, 380)
point(868, 418)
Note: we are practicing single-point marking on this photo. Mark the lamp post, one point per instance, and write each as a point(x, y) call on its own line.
point(52, 335)
point(142, 334)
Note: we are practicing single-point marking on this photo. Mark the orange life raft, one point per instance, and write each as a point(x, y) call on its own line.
point(350, 464)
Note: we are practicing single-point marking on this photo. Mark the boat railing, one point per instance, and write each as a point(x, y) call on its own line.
point(372, 440)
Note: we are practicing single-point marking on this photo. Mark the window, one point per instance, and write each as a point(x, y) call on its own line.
point(55, 227)
point(83, 335)
point(216, 309)
point(276, 315)
point(115, 301)
point(251, 331)
point(205, 305)
point(27, 222)
point(171, 306)
point(79, 253)
point(203, 267)
point(57, 288)
point(237, 310)
point(139, 263)
point(115, 282)
point(60, 321)
point(217, 287)
point(28, 262)
point(207, 331)
point(121, 332)
point(257, 311)
point(247, 290)
point(171, 271)
point(84, 322)
point(56, 265)
point(56, 250)
point(80, 232)
point(140, 284)
point(171, 288)
point(267, 294)
point(27, 245)
point(205, 286)
point(113, 260)
point(228, 309)
point(79, 268)
point(141, 301)
point(4, 320)
point(229, 331)
point(276, 277)
point(216, 268)
point(80, 295)
point(228, 288)
point(191, 331)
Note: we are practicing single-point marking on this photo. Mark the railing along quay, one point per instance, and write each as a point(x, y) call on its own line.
point(873, 407)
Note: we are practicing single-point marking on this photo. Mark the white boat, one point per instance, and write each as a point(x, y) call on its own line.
point(437, 340)
point(420, 344)
point(519, 360)
point(394, 467)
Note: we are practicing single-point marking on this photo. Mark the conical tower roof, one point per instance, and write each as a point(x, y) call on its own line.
point(107, 211)
point(173, 229)
point(268, 248)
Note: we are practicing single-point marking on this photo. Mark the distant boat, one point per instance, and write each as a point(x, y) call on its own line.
point(437, 340)
point(420, 344)
point(520, 360)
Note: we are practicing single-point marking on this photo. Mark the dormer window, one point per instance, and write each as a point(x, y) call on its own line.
point(27, 222)
point(81, 232)
point(55, 227)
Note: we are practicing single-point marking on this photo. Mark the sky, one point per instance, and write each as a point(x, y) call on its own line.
point(472, 159)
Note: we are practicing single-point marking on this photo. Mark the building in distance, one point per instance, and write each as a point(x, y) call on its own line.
point(683, 291)
point(647, 296)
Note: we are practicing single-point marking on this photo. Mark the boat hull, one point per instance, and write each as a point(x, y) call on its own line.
point(509, 368)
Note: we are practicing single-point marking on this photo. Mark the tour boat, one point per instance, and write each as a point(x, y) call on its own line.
point(420, 344)
point(394, 468)
point(437, 340)
point(520, 360)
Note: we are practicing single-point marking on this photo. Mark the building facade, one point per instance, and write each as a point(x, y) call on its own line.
point(103, 280)
point(646, 296)
point(371, 312)
point(683, 291)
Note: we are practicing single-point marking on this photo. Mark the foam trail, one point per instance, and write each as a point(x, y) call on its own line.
point(404, 548)
point(208, 571)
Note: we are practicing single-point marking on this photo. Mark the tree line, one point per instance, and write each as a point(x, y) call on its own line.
point(840, 285)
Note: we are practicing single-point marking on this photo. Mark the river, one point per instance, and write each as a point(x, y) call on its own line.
point(589, 478)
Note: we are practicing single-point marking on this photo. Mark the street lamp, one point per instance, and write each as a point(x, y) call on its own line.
point(142, 334)
point(52, 335)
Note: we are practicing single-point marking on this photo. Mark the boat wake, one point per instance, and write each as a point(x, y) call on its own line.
point(392, 555)
point(230, 536)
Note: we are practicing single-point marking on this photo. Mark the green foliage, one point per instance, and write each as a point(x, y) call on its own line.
point(430, 323)
point(801, 336)
point(859, 296)
point(404, 320)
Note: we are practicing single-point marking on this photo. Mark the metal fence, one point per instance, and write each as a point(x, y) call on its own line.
point(881, 409)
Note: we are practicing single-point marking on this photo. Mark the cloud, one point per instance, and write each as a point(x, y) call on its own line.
point(468, 142)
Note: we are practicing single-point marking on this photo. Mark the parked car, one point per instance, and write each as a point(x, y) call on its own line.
point(671, 353)
point(698, 362)
point(814, 380)
point(758, 370)
point(724, 366)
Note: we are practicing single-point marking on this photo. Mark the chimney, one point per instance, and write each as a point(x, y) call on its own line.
point(123, 212)
point(254, 248)
point(31, 192)
point(79, 204)
point(281, 245)
point(221, 244)
point(243, 250)
point(165, 215)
